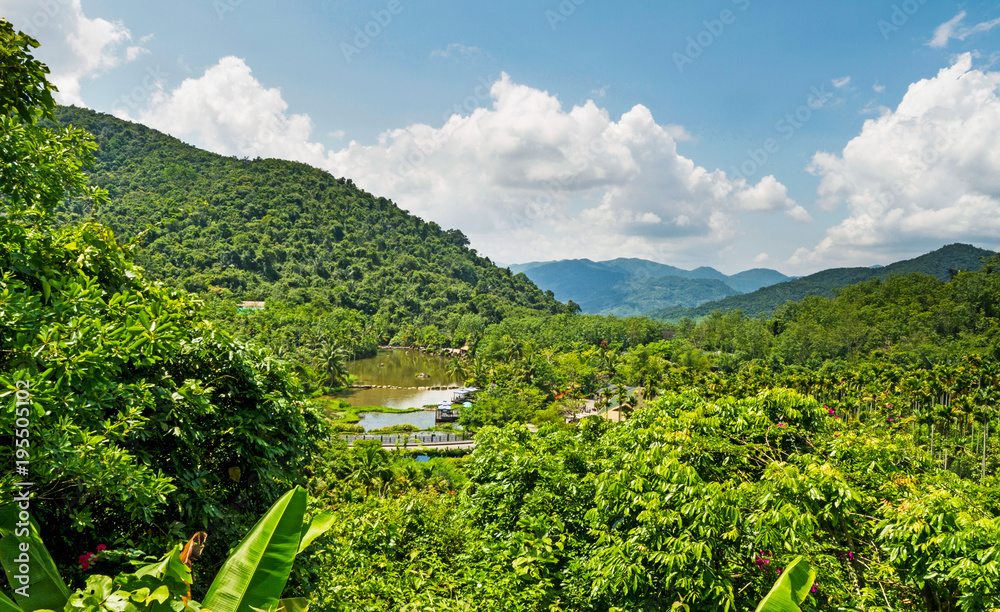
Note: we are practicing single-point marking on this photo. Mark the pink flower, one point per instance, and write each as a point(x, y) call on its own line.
point(101, 547)
point(85, 560)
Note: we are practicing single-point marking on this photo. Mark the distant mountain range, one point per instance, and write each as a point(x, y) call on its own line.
point(627, 287)
point(941, 263)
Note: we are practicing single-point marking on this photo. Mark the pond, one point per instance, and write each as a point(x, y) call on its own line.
point(376, 420)
point(399, 368)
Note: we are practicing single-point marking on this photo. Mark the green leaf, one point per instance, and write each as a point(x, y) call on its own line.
point(256, 573)
point(46, 589)
point(170, 566)
point(316, 527)
point(293, 604)
point(791, 588)
point(8, 605)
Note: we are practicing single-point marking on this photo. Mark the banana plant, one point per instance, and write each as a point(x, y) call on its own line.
point(252, 579)
point(791, 588)
point(255, 574)
point(28, 565)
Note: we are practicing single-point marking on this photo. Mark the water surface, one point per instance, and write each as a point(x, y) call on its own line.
point(400, 368)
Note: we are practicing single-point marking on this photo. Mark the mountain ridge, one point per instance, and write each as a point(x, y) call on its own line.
point(632, 286)
point(939, 263)
point(268, 228)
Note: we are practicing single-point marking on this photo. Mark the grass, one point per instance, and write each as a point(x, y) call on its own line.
point(342, 413)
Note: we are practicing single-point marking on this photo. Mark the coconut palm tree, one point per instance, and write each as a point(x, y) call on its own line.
point(457, 370)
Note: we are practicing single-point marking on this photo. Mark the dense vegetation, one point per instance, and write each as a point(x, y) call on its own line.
point(859, 432)
point(139, 422)
point(268, 229)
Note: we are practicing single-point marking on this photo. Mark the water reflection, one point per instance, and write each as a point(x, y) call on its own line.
point(399, 368)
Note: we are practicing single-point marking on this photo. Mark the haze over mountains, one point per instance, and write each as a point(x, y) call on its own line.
point(627, 287)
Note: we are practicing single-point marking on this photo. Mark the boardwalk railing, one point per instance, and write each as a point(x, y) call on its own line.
point(410, 438)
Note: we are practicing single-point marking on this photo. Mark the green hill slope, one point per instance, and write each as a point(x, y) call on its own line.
point(268, 228)
point(940, 264)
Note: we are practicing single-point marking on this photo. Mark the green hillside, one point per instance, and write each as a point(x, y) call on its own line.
point(940, 264)
point(271, 229)
point(639, 295)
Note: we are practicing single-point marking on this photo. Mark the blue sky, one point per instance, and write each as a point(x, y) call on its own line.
point(727, 133)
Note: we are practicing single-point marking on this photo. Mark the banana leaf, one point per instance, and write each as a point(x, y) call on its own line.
point(791, 588)
point(293, 604)
point(255, 574)
point(316, 527)
point(45, 589)
point(8, 605)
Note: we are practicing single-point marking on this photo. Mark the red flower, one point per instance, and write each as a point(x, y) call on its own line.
point(85, 560)
point(101, 547)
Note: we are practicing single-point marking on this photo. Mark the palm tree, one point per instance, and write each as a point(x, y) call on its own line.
point(457, 371)
point(333, 363)
point(480, 372)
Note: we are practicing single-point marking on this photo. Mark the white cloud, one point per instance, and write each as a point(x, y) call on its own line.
point(761, 258)
point(524, 176)
point(458, 50)
point(927, 172)
point(133, 53)
point(878, 88)
point(228, 111)
point(600, 93)
point(841, 82)
point(73, 46)
point(770, 195)
point(953, 29)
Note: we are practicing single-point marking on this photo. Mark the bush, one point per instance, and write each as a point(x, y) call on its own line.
point(401, 428)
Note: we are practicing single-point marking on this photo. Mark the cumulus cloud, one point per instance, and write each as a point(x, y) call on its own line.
point(74, 46)
point(228, 111)
point(953, 28)
point(523, 175)
point(925, 173)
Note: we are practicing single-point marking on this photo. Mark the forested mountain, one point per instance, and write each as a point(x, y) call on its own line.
point(941, 264)
point(627, 287)
point(267, 228)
